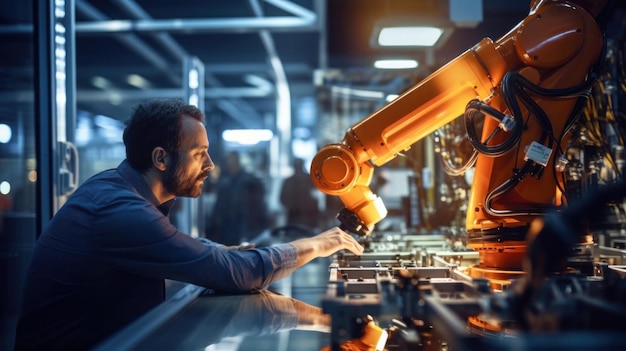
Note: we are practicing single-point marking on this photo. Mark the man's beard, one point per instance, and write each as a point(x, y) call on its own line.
point(177, 183)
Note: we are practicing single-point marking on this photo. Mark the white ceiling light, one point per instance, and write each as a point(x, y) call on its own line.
point(5, 133)
point(101, 82)
point(396, 64)
point(409, 36)
point(247, 136)
point(5, 187)
point(430, 31)
point(138, 81)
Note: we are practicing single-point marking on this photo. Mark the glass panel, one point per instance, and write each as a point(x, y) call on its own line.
point(18, 175)
point(60, 44)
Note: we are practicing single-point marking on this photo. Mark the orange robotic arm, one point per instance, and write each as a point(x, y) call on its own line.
point(554, 47)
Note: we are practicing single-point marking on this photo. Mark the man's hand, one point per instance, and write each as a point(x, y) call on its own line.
point(334, 240)
point(325, 244)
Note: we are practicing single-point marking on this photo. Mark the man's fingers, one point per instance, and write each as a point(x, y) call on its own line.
point(353, 245)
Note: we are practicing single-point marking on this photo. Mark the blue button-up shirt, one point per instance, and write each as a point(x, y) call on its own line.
point(101, 263)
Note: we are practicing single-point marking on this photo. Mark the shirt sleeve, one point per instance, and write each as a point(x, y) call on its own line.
point(133, 235)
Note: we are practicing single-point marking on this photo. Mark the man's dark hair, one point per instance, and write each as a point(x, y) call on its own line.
point(156, 123)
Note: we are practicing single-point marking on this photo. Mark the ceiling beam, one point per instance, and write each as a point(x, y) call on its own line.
point(187, 25)
point(134, 43)
point(133, 95)
point(232, 104)
point(206, 25)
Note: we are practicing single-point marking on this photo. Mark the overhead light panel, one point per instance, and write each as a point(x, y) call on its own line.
point(409, 36)
point(101, 82)
point(396, 64)
point(411, 32)
point(137, 81)
point(5, 133)
point(247, 136)
point(5, 187)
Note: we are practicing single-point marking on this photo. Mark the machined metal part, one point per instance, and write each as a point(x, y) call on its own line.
point(429, 300)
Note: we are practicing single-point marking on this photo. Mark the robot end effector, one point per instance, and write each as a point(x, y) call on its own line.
point(336, 171)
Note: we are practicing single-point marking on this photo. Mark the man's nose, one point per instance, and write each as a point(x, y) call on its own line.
point(209, 165)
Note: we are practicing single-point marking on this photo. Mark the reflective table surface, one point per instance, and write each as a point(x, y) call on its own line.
point(285, 316)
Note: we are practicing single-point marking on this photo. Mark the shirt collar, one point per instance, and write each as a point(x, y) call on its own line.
point(135, 178)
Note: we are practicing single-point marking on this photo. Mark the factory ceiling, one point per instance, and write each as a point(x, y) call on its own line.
point(254, 52)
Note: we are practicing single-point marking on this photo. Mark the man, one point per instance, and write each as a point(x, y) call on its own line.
point(296, 196)
point(240, 212)
point(101, 261)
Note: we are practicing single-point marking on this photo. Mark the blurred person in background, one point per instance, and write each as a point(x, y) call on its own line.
point(297, 197)
point(240, 212)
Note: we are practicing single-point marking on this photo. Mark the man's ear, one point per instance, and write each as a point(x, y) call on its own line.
point(159, 156)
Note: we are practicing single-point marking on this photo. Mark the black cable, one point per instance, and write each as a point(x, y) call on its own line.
point(478, 109)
